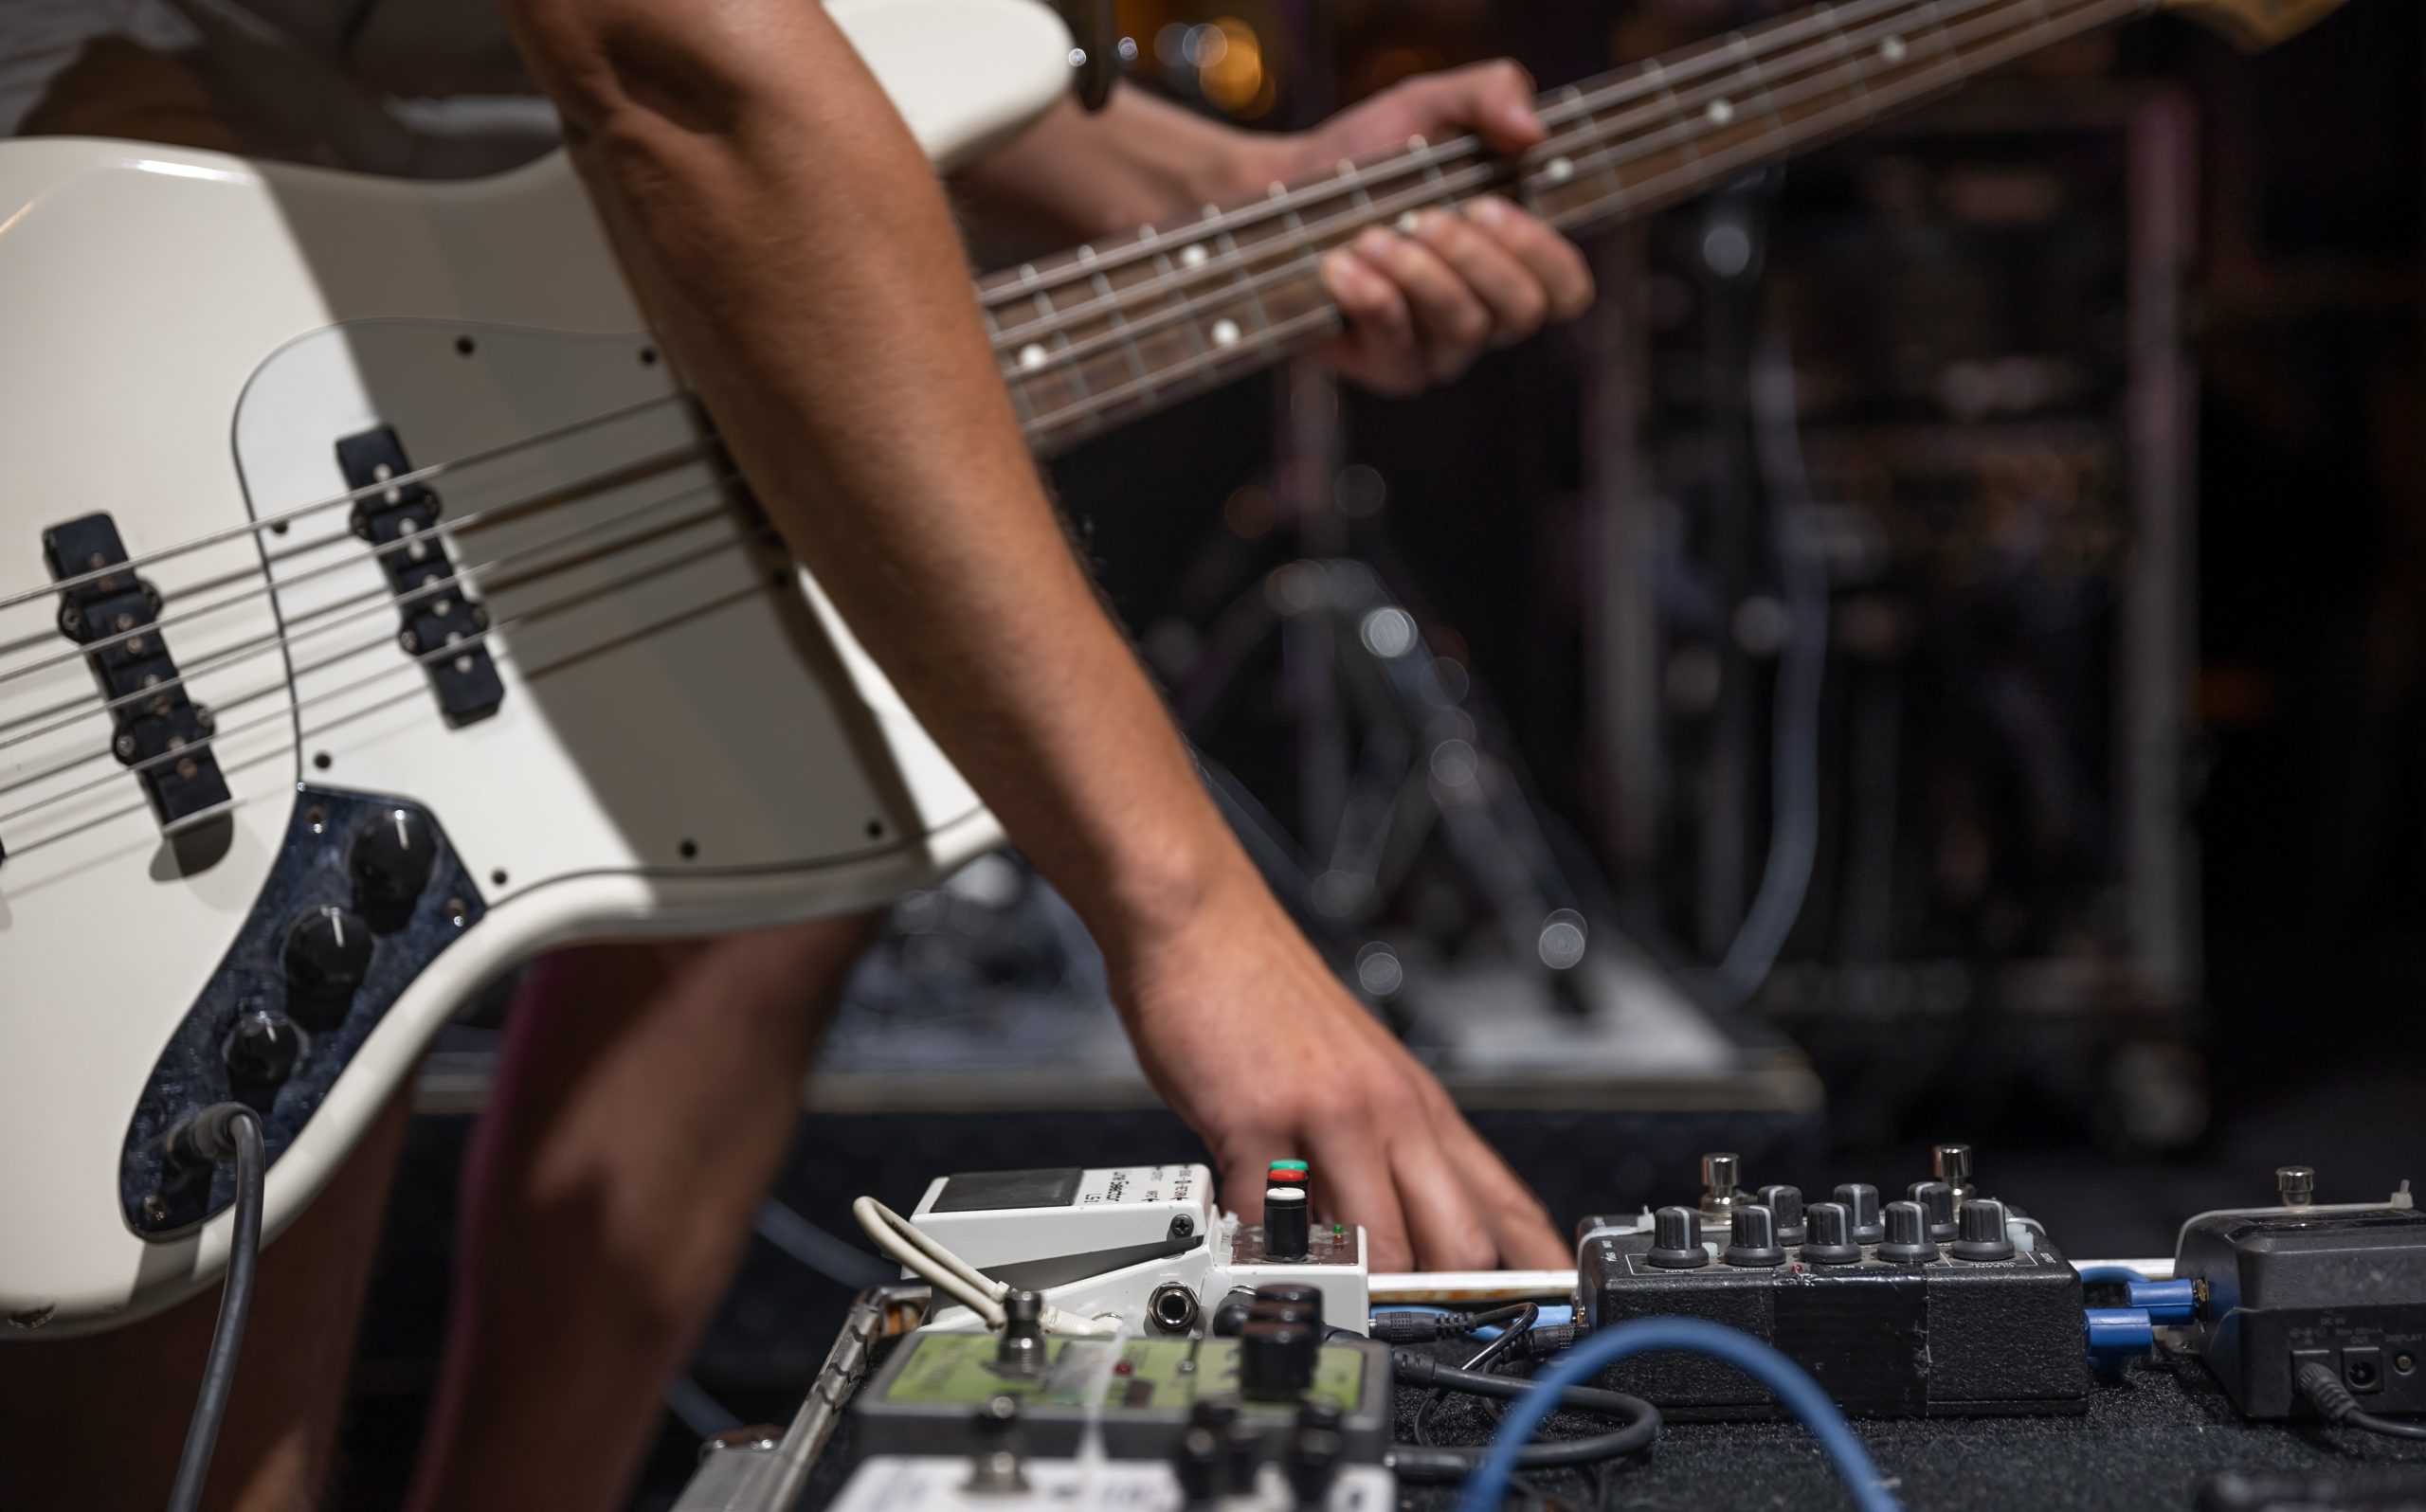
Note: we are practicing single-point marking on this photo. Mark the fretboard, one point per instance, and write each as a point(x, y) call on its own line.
point(1118, 329)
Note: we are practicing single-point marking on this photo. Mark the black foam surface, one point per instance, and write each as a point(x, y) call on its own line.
point(2149, 1441)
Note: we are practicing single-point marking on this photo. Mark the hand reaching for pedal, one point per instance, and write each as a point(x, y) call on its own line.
point(1422, 305)
point(1242, 1030)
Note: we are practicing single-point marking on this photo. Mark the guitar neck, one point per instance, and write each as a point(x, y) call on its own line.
point(1116, 331)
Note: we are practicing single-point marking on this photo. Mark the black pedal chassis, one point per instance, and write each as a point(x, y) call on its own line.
point(1948, 1339)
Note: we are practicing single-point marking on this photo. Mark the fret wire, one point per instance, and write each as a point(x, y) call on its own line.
point(1776, 38)
point(1119, 318)
point(1753, 76)
point(1619, 153)
point(1845, 62)
point(1180, 310)
point(1949, 52)
point(1071, 367)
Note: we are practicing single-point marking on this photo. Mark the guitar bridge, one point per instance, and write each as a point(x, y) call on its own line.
point(443, 628)
point(157, 730)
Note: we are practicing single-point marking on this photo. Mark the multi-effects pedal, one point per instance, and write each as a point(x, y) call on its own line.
point(1942, 1302)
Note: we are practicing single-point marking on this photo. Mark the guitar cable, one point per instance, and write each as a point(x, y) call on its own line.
point(220, 1133)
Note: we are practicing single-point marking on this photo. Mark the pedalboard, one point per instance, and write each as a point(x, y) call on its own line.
point(932, 1395)
point(1943, 1304)
point(2278, 1288)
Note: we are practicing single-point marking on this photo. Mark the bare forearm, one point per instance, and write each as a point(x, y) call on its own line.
point(798, 258)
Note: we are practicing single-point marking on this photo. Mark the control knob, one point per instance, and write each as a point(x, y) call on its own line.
point(1936, 1200)
point(1288, 1228)
point(1829, 1239)
point(263, 1047)
point(1908, 1241)
point(392, 861)
point(1786, 1203)
point(1277, 1358)
point(1861, 1205)
point(1676, 1240)
point(328, 955)
point(1752, 1238)
point(1983, 1234)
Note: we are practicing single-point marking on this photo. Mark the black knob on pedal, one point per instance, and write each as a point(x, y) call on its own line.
point(1197, 1465)
point(1861, 1205)
point(1936, 1200)
point(1277, 1358)
point(1983, 1234)
point(1829, 1241)
point(1676, 1240)
point(1288, 1228)
point(328, 955)
point(263, 1047)
point(1752, 1238)
point(391, 861)
point(1907, 1241)
point(1786, 1203)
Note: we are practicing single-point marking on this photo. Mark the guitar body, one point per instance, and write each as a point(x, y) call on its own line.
point(681, 739)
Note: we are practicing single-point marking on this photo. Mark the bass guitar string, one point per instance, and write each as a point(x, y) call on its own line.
point(1627, 144)
point(574, 492)
point(362, 605)
point(419, 475)
point(1740, 52)
point(295, 707)
point(203, 817)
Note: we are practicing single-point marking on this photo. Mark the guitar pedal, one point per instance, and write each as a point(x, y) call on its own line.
point(1914, 1310)
point(1144, 1243)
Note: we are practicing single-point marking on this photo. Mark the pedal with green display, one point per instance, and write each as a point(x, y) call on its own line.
point(932, 1396)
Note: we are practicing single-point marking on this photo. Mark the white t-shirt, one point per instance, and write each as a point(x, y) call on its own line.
point(420, 88)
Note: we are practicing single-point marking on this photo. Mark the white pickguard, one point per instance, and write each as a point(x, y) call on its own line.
point(187, 336)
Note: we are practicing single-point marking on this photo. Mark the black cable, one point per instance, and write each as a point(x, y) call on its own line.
point(222, 1132)
point(1427, 1463)
point(1398, 1327)
point(2326, 1394)
point(1527, 1315)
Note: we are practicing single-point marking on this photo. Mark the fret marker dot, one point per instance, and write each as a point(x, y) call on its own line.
point(1032, 357)
point(1192, 257)
point(1225, 333)
point(1720, 112)
point(1559, 169)
point(1892, 49)
point(1408, 222)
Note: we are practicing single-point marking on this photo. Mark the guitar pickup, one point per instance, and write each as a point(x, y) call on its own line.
point(156, 728)
point(401, 524)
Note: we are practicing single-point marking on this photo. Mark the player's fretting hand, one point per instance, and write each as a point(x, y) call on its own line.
point(1422, 307)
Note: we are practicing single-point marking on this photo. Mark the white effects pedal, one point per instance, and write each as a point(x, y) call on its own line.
point(1144, 1243)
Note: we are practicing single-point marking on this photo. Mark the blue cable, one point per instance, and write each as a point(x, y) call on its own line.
point(1792, 1385)
point(2114, 1275)
point(2165, 1302)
